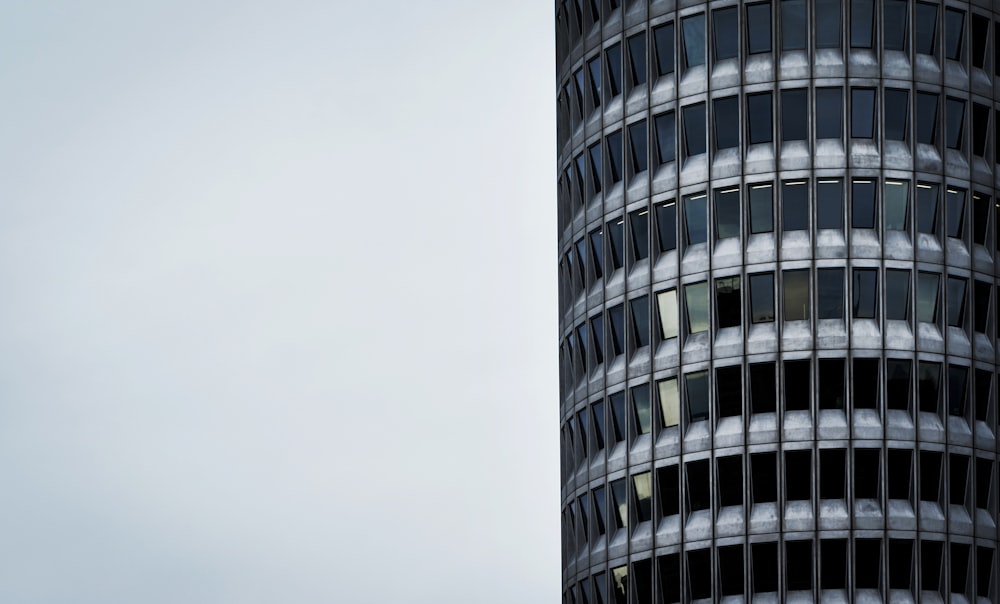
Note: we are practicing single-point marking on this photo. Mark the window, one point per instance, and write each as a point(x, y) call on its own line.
point(697, 399)
point(793, 25)
point(694, 40)
point(863, 204)
point(796, 294)
point(670, 402)
point(927, 297)
point(980, 129)
point(614, 143)
point(955, 199)
point(642, 485)
point(930, 565)
point(795, 206)
point(866, 466)
point(619, 418)
point(984, 386)
point(763, 388)
point(761, 209)
point(897, 110)
point(637, 57)
point(600, 510)
point(759, 117)
point(862, 23)
point(595, 168)
point(984, 476)
point(957, 378)
point(730, 480)
point(666, 226)
point(981, 292)
point(954, 21)
point(831, 383)
point(980, 33)
point(668, 485)
point(616, 316)
point(696, 218)
point(616, 242)
point(639, 311)
point(694, 129)
point(928, 383)
point(865, 292)
point(894, 30)
point(663, 39)
point(696, 299)
point(594, 70)
point(619, 493)
point(727, 122)
point(868, 563)
point(981, 205)
point(727, 213)
point(798, 476)
point(798, 385)
point(958, 477)
point(613, 57)
point(597, 410)
point(699, 574)
point(897, 294)
point(830, 204)
point(930, 475)
point(830, 291)
point(862, 112)
point(637, 146)
point(926, 117)
point(725, 38)
point(926, 26)
point(927, 199)
point(897, 384)
point(639, 232)
point(597, 330)
point(763, 477)
point(865, 384)
point(759, 28)
point(955, 116)
point(762, 298)
point(899, 473)
point(670, 577)
point(666, 136)
point(896, 195)
point(828, 107)
point(984, 571)
point(828, 13)
point(727, 302)
point(794, 114)
point(729, 388)
point(578, 89)
point(731, 570)
point(666, 303)
point(956, 302)
point(764, 565)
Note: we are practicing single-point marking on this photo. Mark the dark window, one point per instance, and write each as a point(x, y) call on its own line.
point(597, 329)
point(616, 316)
point(793, 25)
point(727, 213)
point(927, 200)
point(619, 419)
point(984, 386)
point(614, 142)
point(763, 390)
point(595, 168)
point(795, 206)
point(927, 297)
point(666, 226)
point(761, 209)
point(799, 563)
point(798, 383)
point(729, 386)
point(613, 57)
point(639, 233)
point(958, 474)
point(794, 114)
point(955, 114)
point(798, 474)
point(980, 33)
point(831, 383)
point(900, 563)
point(959, 567)
point(725, 35)
point(694, 129)
point(865, 384)
point(830, 293)
point(642, 494)
point(727, 301)
point(727, 122)
point(600, 510)
point(928, 383)
point(699, 569)
point(697, 395)
point(616, 242)
point(828, 109)
point(930, 475)
point(981, 293)
point(759, 28)
point(578, 89)
point(828, 13)
point(957, 378)
point(663, 39)
point(833, 563)
point(867, 562)
point(862, 113)
point(670, 577)
point(764, 562)
point(594, 69)
point(831, 474)
point(640, 321)
point(696, 218)
point(956, 302)
point(730, 480)
point(866, 465)
point(637, 58)
point(926, 118)
point(694, 40)
point(926, 26)
point(897, 384)
point(597, 411)
point(930, 565)
point(954, 22)
point(796, 294)
point(863, 204)
point(981, 205)
point(637, 146)
point(862, 23)
point(980, 129)
point(984, 478)
point(897, 106)
point(698, 473)
point(763, 475)
point(830, 204)
point(894, 30)
point(896, 202)
point(984, 571)
point(759, 117)
point(731, 570)
point(899, 473)
point(581, 167)
point(666, 136)
point(668, 483)
point(897, 294)
point(865, 293)
point(619, 495)
point(641, 581)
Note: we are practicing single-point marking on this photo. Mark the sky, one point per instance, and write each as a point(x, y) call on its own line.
point(278, 302)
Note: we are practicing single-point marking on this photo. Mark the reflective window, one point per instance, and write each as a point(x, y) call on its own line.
point(828, 111)
point(616, 317)
point(619, 419)
point(694, 129)
point(670, 409)
point(595, 167)
point(666, 305)
point(727, 122)
point(828, 13)
point(597, 330)
point(897, 107)
point(727, 302)
point(759, 117)
point(763, 388)
point(697, 398)
point(637, 58)
point(980, 129)
point(642, 485)
point(597, 253)
point(926, 26)
point(619, 493)
point(954, 118)
point(600, 513)
point(666, 136)
point(830, 293)
point(594, 69)
point(794, 114)
point(663, 39)
point(759, 28)
point(694, 40)
point(639, 232)
point(761, 209)
point(796, 294)
point(619, 584)
point(926, 118)
point(793, 25)
point(637, 146)
point(727, 213)
point(981, 205)
point(927, 297)
point(863, 204)
point(897, 294)
point(980, 35)
point(862, 23)
point(696, 218)
point(762, 298)
point(616, 242)
point(862, 113)
point(641, 408)
point(956, 302)
point(865, 293)
point(954, 21)
point(896, 199)
point(578, 79)
point(725, 34)
point(614, 142)
point(795, 206)
point(613, 57)
point(696, 301)
point(666, 226)
point(956, 212)
point(894, 30)
point(927, 199)
point(830, 204)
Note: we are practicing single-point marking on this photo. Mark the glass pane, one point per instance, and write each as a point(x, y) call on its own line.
point(828, 13)
point(759, 116)
point(896, 203)
point(956, 212)
point(727, 122)
point(666, 136)
point(637, 56)
point(795, 206)
point(926, 118)
point(862, 113)
point(696, 300)
point(980, 35)
point(694, 129)
point(796, 295)
point(613, 56)
point(725, 36)
point(830, 293)
point(670, 407)
point(637, 139)
point(594, 67)
point(696, 218)
point(956, 301)
point(896, 112)
point(641, 408)
point(926, 25)
point(954, 115)
point(666, 304)
point(697, 395)
point(762, 298)
point(640, 321)
point(694, 40)
point(927, 297)
point(980, 129)
point(643, 495)
point(954, 21)
point(614, 142)
point(663, 39)
point(759, 28)
point(616, 316)
point(618, 415)
point(863, 204)
point(597, 329)
point(793, 25)
point(727, 213)
point(727, 302)
point(761, 213)
point(830, 204)
point(865, 293)
point(927, 208)
point(894, 31)
point(597, 253)
point(981, 205)
point(897, 294)
point(639, 230)
point(794, 118)
point(598, 424)
point(595, 168)
point(616, 238)
point(862, 23)
point(666, 226)
point(828, 112)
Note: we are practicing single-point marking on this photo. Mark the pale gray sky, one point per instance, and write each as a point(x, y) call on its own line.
point(277, 302)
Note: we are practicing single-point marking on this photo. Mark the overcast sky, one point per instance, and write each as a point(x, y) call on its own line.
point(277, 302)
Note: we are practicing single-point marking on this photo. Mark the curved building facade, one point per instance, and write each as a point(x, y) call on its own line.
point(778, 245)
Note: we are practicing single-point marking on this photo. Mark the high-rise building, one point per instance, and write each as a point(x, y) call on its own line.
point(778, 252)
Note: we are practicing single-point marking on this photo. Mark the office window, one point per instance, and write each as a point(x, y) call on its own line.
point(670, 402)
point(830, 204)
point(616, 317)
point(666, 226)
point(980, 35)
point(762, 298)
point(729, 388)
point(578, 78)
point(981, 311)
point(831, 385)
point(637, 57)
point(897, 110)
point(897, 294)
point(865, 384)
point(763, 388)
point(594, 153)
point(927, 200)
point(830, 291)
point(727, 213)
point(597, 413)
point(619, 584)
point(725, 35)
point(759, 118)
point(731, 569)
point(828, 13)
point(897, 384)
point(666, 137)
point(642, 485)
point(954, 23)
point(694, 40)
point(637, 147)
point(699, 573)
point(926, 26)
point(984, 477)
point(928, 385)
point(868, 563)
point(862, 23)
point(955, 115)
point(727, 302)
point(663, 40)
point(798, 477)
point(828, 108)
point(984, 571)
point(927, 297)
point(795, 205)
point(581, 168)
point(793, 25)
point(863, 204)
point(957, 379)
point(727, 122)
point(926, 118)
point(763, 477)
point(899, 473)
point(581, 251)
point(619, 496)
point(597, 330)
point(980, 129)
point(896, 197)
point(796, 294)
point(956, 301)
point(639, 312)
point(759, 28)
point(865, 292)
point(694, 129)
point(794, 114)
point(761, 208)
point(613, 58)
point(600, 510)
point(666, 304)
point(670, 577)
point(696, 218)
point(955, 199)
point(619, 416)
point(594, 70)
point(696, 300)
point(616, 242)
point(894, 25)
point(614, 143)
point(639, 233)
point(696, 384)
point(862, 112)
point(981, 205)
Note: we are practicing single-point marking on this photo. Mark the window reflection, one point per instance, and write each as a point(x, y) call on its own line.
point(862, 113)
point(863, 204)
point(897, 294)
point(666, 136)
point(896, 200)
point(830, 293)
point(670, 408)
point(894, 30)
point(666, 304)
point(794, 116)
point(793, 25)
point(641, 408)
point(829, 204)
point(926, 28)
point(694, 129)
point(666, 226)
point(796, 294)
point(954, 21)
point(927, 199)
point(927, 297)
point(725, 35)
point(663, 39)
point(727, 122)
point(795, 206)
point(759, 117)
point(697, 395)
point(759, 28)
point(828, 112)
point(696, 218)
point(727, 213)
point(862, 22)
point(828, 13)
point(637, 59)
point(696, 300)
point(762, 298)
point(896, 113)
point(761, 210)
point(694, 40)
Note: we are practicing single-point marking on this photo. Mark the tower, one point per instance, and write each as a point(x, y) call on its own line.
point(778, 250)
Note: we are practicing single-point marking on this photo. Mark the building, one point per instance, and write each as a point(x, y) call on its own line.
point(778, 251)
